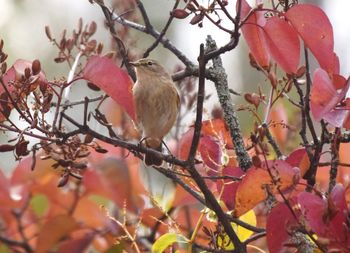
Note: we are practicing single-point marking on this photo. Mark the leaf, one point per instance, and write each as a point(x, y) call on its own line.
point(242, 233)
point(278, 228)
point(76, 245)
point(283, 44)
point(252, 189)
point(164, 242)
point(253, 34)
point(326, 216)
point(210, 152)
point(39, 204)
point(316, 31)
point(324, 97)
point(53, 231)
point(278, 114)
point(230, 187)
point(218, 129)
point(103, 72)
point(299, 158)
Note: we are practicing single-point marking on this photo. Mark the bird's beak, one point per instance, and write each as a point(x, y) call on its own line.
point(134, 63)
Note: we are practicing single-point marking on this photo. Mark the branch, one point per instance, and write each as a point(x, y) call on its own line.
point(230, 116)
point(110, 23)
point(163, 32)
point(150, 31)
point(210, 199)
point(272, 141)
point(200, 101)
point(335, 159)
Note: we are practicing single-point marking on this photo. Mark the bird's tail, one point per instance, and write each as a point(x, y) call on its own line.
point(151, 159)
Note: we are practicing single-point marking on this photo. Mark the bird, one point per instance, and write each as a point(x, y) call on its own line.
point(157, 103)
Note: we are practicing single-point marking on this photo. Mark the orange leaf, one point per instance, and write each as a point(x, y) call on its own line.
point(252, 189)
point(53, 231)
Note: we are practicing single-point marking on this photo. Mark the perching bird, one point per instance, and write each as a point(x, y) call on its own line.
point(157, 104)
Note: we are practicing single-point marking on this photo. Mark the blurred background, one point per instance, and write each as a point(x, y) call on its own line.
point(22, 25)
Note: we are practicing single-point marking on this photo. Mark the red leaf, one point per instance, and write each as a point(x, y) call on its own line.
point(316, 31)
point(210, 152)
point(103, 72)
point(324, 97)
point(76, 245)
point(278, 227)
point(283, 43)
point(326, 217)
point(299, 158)
point(230, 186)
point(313, 208)
point(253, 34)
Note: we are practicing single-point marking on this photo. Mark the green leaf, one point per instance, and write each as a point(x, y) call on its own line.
point(4, 249)
point(118, 248)
point(164, 242)
point(39, 204)
point(99, 200)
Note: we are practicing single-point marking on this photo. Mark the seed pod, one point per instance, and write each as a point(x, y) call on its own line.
point(3, 56)
point(80, 25)
point(21, 148)
point(93, 86)
point(92, 28)
point(191, 7)
point(252, 98)
point(99, 48)
point(3, 67)
point(301, 71)
point(48, 32)
point(256, 161)
point(59, 59)
point(196, 19)
point(101, 150)
point(272, 77)
point(27, 73)
point(6, 148)
point(179, 13)
point(88, 138)
point(36, 67)
point(63, 180)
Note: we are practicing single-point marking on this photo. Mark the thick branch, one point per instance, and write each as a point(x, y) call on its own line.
point(210, 199)
point(230, 116)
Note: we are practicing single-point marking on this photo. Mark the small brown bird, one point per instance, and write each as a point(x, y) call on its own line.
point(157, 104)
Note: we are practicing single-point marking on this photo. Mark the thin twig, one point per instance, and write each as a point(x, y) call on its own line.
point(162, 33)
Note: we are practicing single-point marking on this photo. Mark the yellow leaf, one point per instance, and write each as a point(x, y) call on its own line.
point(242, 233)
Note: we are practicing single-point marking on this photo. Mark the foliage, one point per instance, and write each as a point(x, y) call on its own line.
point(78, 186)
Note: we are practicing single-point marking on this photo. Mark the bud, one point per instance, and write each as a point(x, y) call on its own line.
point(179, 13)
point(27, 73)
point(272, 77)
point(252, 98)
point(36, 67)
point(6, 148)
point(63, 180)
point(196, 19)
point(48, 33)
point(92, 28)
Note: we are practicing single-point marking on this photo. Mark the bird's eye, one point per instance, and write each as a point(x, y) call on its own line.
point(150, 63)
